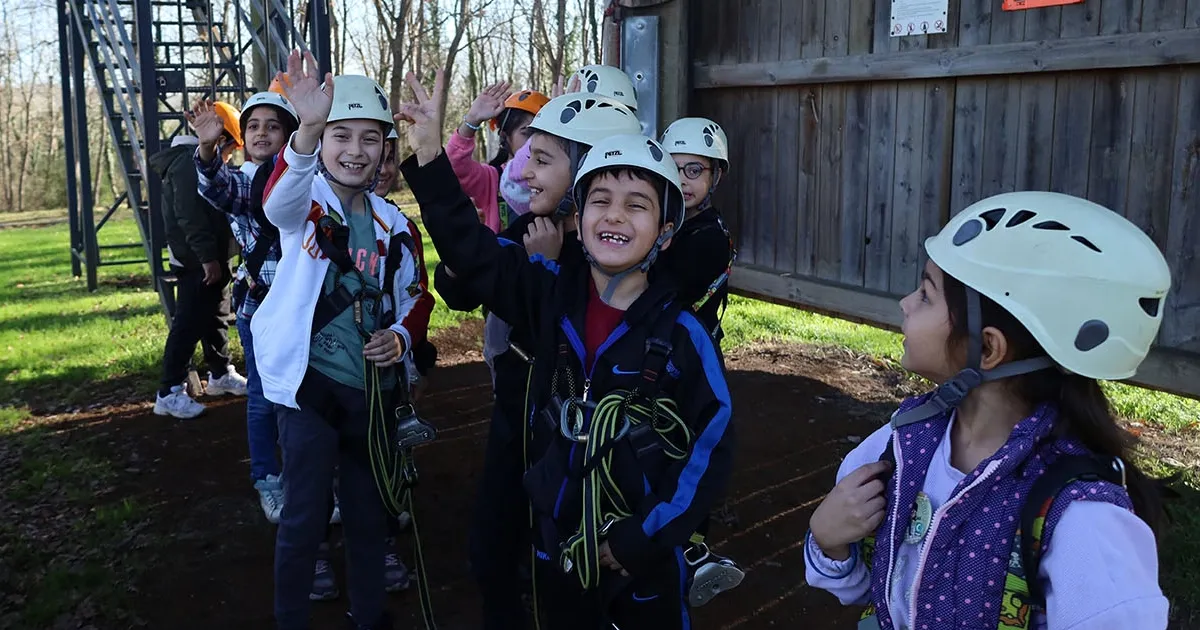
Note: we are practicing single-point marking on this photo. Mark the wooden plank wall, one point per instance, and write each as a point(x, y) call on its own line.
point(840, 183)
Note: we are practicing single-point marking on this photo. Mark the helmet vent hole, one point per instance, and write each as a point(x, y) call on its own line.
point(1051, 225)
point(992, 217)
point(968, 232)
point(1086, 243)
point(1150, 305)
point(1091, 334)
point(1020, 218)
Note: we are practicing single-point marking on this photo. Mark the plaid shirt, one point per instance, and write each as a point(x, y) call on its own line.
point(228, 190)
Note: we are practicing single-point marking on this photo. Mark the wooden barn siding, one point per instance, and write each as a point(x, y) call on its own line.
point(840, 182)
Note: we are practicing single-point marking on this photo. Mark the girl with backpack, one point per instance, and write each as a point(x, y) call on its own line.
point(1006, 497)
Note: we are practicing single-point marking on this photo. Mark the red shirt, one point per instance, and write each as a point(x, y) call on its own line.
point(599, 321)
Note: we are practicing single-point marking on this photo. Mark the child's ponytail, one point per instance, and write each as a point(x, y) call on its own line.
point(1084, 412)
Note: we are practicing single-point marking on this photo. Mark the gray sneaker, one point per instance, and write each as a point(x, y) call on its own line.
point(324, 586)
point(395, 574)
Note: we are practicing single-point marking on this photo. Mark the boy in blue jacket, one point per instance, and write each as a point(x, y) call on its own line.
point(628, 402)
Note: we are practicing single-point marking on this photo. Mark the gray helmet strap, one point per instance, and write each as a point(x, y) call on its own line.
point(950, 394)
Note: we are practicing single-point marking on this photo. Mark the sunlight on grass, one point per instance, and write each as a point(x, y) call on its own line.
point(750, 320)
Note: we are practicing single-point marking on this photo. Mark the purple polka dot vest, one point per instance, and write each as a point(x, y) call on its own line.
point(966, 553)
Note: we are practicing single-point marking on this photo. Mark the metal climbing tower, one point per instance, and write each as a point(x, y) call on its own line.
point(148, 60)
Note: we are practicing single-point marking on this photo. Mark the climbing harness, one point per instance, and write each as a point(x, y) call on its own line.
point(391, 434)
point(720, 281)
point(652, 425)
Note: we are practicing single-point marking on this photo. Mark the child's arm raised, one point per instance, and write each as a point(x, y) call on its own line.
point(691, 487)
point(225, 189)
point(287, 200)
point(506, 280)
point(481, 182)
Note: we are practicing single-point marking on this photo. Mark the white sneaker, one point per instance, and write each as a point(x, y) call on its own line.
point(270, 497)
point(177, 404)
point(230, 383)
point(404, 520)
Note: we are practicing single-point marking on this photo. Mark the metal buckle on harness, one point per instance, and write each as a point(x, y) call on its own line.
point(571, 419)
point(711, 578)
point(412, 431)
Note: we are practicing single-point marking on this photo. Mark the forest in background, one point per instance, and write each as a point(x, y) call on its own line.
point(479, 42)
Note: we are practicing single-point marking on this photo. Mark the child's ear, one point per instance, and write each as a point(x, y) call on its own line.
point(995, 348)
point(668, 228)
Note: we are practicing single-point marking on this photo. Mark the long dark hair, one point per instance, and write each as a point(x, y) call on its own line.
point(1084, 412)
point(511, 120)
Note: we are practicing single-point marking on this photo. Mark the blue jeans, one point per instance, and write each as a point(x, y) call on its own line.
point(328, 430)
point(262, 433)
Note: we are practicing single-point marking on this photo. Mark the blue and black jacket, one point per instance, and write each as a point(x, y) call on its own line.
point(670, 498)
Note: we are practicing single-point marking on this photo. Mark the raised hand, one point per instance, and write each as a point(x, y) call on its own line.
point(423, 117)
point(302, 85)
point(312, 99)
point(206, 123)
point(489, 104)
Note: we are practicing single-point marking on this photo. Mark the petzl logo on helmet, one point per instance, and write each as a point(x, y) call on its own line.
point(615, 153)
point(355, 106)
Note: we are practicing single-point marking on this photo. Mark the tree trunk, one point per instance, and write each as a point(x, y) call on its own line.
point(460, 29)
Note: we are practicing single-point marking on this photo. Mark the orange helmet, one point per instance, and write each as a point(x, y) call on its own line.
point(526, 100)
point(276, 87)
point(229, 116)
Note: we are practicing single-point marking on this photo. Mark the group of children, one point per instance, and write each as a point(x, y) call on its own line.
point(603, 268)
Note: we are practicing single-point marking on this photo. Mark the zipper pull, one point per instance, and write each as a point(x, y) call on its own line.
point(587, 387)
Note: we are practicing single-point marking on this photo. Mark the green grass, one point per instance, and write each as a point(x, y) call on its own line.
point(59, 343)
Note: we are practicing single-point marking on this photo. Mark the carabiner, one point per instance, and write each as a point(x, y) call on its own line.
point(571, 419)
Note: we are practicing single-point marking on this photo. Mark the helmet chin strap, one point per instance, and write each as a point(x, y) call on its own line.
point(707, 203)
point(950, 394)
point(566, 205)
point(363, 189)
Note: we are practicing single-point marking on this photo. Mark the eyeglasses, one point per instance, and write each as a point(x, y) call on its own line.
point(693, 170)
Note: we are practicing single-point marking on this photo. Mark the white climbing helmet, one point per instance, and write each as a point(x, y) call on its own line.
point(635, 151)
point(698, 136)
point(607, 81)
point(1088, 284)
point(585, 118)
point(274, 99)
point(357, 97)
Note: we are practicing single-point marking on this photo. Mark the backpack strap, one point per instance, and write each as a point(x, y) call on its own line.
point(1065, 470)
point(268, 234)
point(333, 238)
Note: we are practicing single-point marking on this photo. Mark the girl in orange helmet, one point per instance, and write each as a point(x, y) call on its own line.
point(510, 114)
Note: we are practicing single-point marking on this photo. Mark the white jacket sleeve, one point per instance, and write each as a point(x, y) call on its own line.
point(287, 200)
point(1101, 571)
point(848, 580)
point(403, 301)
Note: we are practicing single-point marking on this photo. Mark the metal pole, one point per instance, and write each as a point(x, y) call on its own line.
point(65, 61)
point(319, 37)
point(87, 226)
point(149, 92)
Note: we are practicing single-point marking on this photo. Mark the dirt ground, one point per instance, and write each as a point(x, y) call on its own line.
point(799, 410)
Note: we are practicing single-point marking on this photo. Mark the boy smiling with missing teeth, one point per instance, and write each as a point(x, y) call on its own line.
point(592, 324)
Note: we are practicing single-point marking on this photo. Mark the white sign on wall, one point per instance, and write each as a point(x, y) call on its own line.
point(918, 17)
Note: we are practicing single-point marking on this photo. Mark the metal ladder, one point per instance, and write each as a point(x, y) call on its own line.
point(149, 60)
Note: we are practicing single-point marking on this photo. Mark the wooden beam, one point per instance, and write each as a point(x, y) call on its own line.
point(1133, 50)
point(1164, 369)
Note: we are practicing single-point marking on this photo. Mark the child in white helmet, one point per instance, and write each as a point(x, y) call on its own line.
point(333, 329)
point(561, 133)
point(627, 403)
point(1006, 498)
point(701, 257)
point(267, 120)
point(598, 80)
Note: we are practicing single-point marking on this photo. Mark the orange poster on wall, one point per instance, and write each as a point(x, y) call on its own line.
point(1019, 5)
